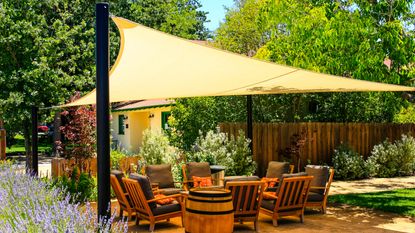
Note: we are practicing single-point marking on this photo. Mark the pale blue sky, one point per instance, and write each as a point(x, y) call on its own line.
point(216, 11)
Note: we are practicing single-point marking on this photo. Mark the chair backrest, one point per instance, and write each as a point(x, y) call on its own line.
point(292, 193)
point(321, 177)
point(276, 169)
point(246, 196)
point(200, 169)
point(119, 192)
point(137, 196)
point(160, 174)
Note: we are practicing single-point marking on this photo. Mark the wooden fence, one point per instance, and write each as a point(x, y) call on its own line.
point(270, 140)
point(61, 166)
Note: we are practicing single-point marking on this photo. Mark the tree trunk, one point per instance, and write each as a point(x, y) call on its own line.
point(27, 143)
point(56, 132)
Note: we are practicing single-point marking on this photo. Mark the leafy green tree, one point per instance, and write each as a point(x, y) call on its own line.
point(241, 33)
point(177, 17)
point(47, 48)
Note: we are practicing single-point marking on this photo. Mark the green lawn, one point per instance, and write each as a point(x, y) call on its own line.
point(18, 146)
point(400, 201)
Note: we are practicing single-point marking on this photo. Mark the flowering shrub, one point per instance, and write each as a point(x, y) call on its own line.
point(242, 162)
point(156, 149)
point(29, 204)
point(393, 159)
point(348, 164)
point(233, 153)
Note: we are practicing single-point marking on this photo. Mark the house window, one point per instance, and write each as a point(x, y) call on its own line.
point(165, 120)
point(121, 128)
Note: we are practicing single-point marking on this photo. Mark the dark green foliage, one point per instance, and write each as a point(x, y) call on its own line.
point(47, 48)
point(401, 201)
point(80, 186)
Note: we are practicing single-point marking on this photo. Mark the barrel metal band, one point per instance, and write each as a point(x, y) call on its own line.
point(209, 213)
point(209, 201)
point(200, 194)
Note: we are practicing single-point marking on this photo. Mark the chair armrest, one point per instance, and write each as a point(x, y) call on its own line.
point(270, 196)
point(161, 198)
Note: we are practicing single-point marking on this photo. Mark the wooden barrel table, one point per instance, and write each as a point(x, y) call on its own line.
point(209, 210)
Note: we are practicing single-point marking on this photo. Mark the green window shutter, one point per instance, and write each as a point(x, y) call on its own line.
point(164, 119)
point(121, 124)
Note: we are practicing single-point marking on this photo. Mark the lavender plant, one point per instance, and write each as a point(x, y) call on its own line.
point(29, 204)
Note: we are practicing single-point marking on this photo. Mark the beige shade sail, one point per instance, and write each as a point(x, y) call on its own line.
point(153, 65)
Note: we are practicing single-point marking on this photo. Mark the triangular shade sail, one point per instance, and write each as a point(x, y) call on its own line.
point(153, 65)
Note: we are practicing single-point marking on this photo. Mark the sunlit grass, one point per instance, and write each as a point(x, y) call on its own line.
point(19, 148)
point(400, 201)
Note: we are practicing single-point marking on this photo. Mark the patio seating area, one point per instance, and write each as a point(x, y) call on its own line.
point(201, 202)
point(339, 218)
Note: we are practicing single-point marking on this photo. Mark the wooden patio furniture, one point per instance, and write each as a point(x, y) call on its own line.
point(319, 187)
point(246, 196)
point(162, 176)
point(121, 193)
point(199, 169)
point(276, 170)
point(290, 197)
point(145, 205)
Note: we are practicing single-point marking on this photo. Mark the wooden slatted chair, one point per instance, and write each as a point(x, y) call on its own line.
point(290, 197)
point(201, 169)
point(145, 205)
point(276, 170)
point(320, 186)
point(162, 176)
point(122, 196)
point(246, 196)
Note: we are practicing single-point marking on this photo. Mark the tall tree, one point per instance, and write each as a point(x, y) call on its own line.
point(47, 48)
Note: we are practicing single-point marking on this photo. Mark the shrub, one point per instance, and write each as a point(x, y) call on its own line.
point(406, 151)
point(78, 132)
point(156, 149)
point(211, 148)
point(348, 164)
point(232, 153)
point(79, 185)
point(29, 204)
point(393, 159)
point(242, 162)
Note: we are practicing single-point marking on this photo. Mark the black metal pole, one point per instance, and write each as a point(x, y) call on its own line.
point(34, 168)
point(103, 127)
point(249, 126)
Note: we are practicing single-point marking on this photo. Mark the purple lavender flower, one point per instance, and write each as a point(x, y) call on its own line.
point(29, 204)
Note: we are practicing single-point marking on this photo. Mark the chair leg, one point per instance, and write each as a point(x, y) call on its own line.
point(256, 225)
point(323, 209)
point(152, 225)
point(121, 212)
point(302, 217)
point(274, 222)
point(137, 220)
